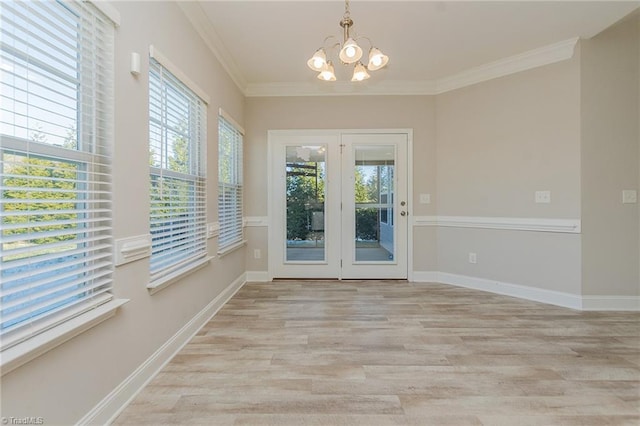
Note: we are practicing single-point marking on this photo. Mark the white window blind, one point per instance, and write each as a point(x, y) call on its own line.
point(229, 183)
point(177, 137)
point(56, 96)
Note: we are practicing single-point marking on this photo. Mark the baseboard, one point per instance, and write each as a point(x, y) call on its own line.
point(566, 300)
point(611, 303)
point(112, 405)
point(257, 276)
point(425, 276)
point(551, 297)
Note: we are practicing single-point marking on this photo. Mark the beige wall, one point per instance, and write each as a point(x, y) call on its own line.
point(340, 112)
point(498, 142)
point(539, 260)
point(65, 383)
point(610, 110)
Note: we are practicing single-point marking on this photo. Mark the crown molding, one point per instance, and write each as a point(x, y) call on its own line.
point(545, 55)
point(524, 61)
point(342, 88)
point(198, 18)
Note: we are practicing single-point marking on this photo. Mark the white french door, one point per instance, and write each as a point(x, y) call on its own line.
point(338, 204)
point(374, 206)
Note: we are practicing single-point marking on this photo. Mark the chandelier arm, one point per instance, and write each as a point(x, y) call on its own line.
point(330, 46)
point(327, 38)
point(356, 38)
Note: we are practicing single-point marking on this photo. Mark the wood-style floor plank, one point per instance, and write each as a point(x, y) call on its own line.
point(397, 353)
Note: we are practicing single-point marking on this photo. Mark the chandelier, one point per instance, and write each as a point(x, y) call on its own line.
point(350, 53)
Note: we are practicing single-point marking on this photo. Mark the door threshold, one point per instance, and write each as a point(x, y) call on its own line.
point(404, 280)
point(305, 279)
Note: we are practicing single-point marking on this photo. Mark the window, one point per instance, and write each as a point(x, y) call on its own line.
point(56, 117)
point(177, 138)
point(229, 183)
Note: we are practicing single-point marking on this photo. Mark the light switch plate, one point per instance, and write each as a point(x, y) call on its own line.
point(425, 198)
point(543, 197)
point(629, 196)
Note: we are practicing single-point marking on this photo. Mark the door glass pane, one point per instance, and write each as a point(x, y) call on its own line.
point(374, 189)
point(306, 173)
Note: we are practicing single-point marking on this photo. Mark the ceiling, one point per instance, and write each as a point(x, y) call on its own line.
point(433, 46)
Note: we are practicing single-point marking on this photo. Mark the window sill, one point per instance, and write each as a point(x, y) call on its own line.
point(166, 281)
point(233, 247)
point(32, 348)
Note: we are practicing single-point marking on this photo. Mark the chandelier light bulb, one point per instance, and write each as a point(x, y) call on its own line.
point(327, 73)
point(360, 73)
point(377, 59)
point(350, 52)
point(318, 60)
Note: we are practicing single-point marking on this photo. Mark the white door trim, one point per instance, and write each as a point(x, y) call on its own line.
point(274, 136)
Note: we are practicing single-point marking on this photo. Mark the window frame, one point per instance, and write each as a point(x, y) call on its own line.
point(90, 157)
point(230, 235)
point(196, 137)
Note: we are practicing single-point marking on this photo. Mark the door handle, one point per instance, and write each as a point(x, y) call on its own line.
point(403, 213)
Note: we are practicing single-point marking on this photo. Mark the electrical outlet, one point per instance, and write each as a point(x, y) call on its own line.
point(257, 254)
point(629, 196)
point(473, 258)
point(425, 198)
point(543, 197)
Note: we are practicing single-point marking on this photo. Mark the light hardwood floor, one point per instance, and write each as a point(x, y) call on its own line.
point(396, 353)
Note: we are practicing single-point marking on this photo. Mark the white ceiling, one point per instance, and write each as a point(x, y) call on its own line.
point(265, 44)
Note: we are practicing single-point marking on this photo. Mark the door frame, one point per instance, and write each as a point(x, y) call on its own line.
point(275, 136)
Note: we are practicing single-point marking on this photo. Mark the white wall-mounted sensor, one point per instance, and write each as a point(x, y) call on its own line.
point(135, 63)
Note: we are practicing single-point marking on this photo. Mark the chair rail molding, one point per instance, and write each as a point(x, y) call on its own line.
point(572, 226)
point(213, 229)
point(132, 248)
point(256, 221)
